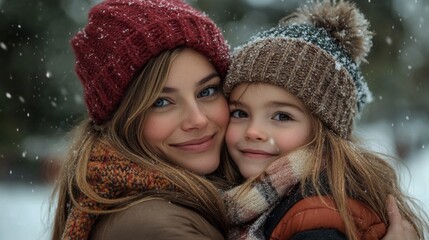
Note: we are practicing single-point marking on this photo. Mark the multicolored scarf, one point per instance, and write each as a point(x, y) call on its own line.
point(110, 176)
point(248, 211)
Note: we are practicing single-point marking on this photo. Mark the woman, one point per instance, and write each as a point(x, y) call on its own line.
point(147, 67)
point(126, 58)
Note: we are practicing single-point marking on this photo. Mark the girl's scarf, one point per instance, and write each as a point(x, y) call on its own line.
point(248, 210)
point(111, 176)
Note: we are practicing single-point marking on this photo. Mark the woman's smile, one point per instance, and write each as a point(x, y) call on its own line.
point(196, 145)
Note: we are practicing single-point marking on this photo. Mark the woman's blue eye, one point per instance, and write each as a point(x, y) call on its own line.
point(161, 102)
point(239, 114)
point(282, 117)
point(207, 92)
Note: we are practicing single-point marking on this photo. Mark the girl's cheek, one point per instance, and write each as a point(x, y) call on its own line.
point(273, 143)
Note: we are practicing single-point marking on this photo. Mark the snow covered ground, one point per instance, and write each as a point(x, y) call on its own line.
point(413, 170)
point(416, 181)
point(24, 211)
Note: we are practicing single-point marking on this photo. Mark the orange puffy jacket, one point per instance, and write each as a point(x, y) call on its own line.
point(316, 217)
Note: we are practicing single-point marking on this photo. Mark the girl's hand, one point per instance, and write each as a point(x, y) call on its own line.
point(398, 228)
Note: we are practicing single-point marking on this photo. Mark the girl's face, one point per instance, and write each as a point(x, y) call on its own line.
point(187, 123)
point(266, 122)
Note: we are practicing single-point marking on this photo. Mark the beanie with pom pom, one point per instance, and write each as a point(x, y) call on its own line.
point(315, 54)
point(123, 35)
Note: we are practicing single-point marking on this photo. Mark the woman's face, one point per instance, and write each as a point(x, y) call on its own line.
point(187, 122)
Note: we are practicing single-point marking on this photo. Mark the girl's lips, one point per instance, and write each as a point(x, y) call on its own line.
point(196, 145)
point(255, 153)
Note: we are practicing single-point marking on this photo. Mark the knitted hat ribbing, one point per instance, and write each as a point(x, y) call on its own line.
point(314, 54)
point(123, 35)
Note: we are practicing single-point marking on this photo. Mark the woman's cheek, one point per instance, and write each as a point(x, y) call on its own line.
point(156, 129)
point(220, 113)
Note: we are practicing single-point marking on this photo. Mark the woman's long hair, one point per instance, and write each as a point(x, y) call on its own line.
point(354, 172)
point(123, 134)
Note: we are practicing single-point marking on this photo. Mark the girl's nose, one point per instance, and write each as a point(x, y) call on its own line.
point(256, 133)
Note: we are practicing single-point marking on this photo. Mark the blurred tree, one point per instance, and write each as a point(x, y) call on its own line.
point(36, 83)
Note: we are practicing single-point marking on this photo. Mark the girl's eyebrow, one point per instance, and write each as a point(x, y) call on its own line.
point(271, 104)
point(199, 83)
point(275, 104)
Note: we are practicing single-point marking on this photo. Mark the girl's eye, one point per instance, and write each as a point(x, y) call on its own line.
point(239, 114)
point(209, 91)
point(282, 117)
point(161, 102)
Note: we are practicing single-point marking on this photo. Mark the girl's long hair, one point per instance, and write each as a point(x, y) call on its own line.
point(122, 134)
point(354, 172)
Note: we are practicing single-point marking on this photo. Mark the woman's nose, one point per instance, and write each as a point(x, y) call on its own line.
point(194, 118)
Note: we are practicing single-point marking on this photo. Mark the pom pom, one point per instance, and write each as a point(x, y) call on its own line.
point(343, 20)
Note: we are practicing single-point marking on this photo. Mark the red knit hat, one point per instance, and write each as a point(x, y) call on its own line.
point(123, 35)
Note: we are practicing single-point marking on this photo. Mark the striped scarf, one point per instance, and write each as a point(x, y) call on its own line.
point(248, 210)
point(110, 176)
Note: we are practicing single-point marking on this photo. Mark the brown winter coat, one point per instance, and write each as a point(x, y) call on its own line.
point(155, 219)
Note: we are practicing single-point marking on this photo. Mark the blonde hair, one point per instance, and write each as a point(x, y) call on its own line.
point(121, 133)
point(355, 172)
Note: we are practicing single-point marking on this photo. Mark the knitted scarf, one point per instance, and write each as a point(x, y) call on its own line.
point(248, 210)
point(110, 176)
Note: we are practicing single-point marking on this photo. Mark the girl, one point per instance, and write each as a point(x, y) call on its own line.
point(296, 89)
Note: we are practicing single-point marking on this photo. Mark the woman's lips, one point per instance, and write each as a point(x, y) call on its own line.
point(196, 145)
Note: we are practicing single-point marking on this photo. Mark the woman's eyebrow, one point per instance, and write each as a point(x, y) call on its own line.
point(199, 83)
point(207, 78)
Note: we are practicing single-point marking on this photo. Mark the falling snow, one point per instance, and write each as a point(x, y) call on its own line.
point(337, 66)
point(3, 46)
point(389, 40)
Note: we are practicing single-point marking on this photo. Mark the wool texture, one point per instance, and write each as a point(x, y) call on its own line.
point(314, 54)
point(110, 176)
point(248, 210)
point(123, 35)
